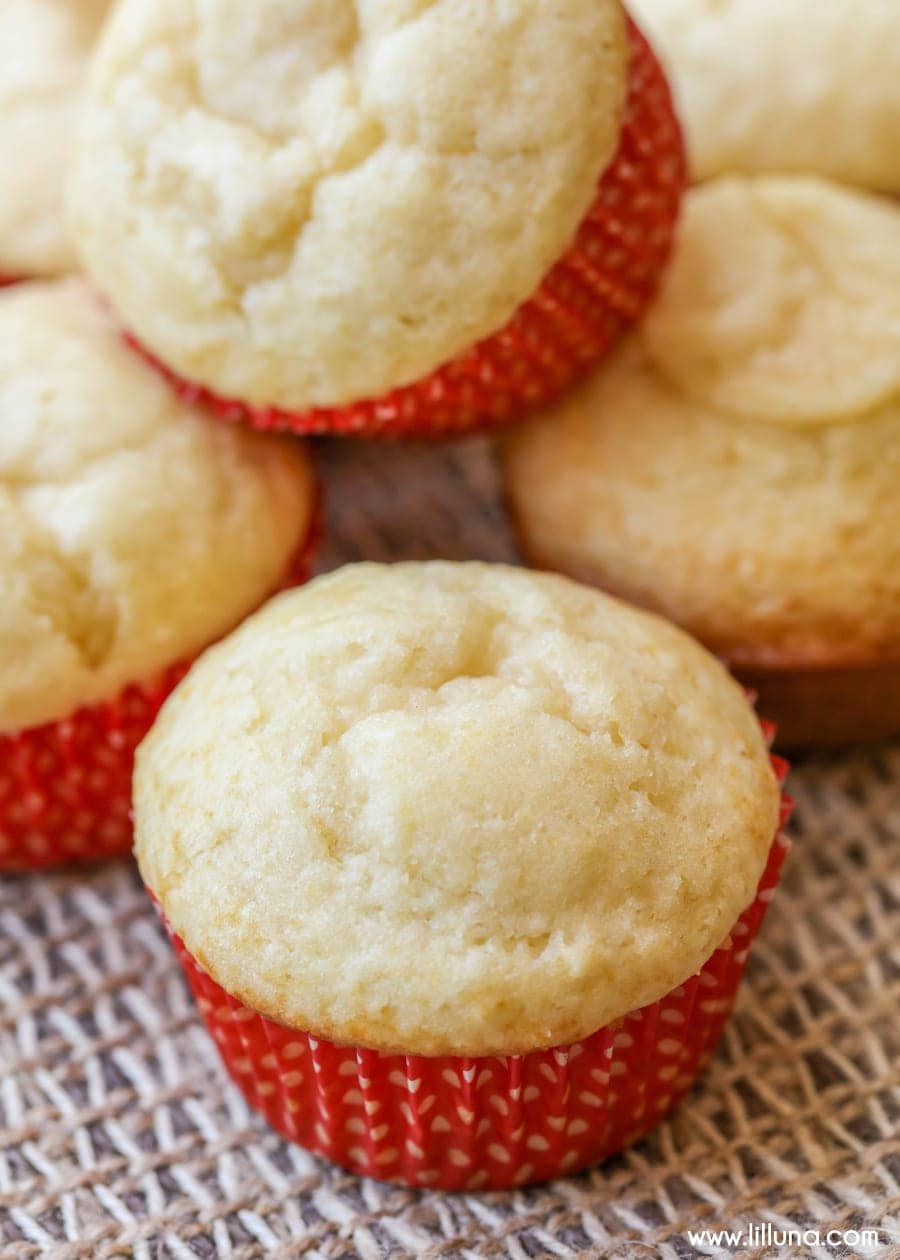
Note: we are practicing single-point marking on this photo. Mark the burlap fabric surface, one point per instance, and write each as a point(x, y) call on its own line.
point(121, 1135)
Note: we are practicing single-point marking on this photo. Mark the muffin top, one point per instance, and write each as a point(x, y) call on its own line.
point(789, 86)
point(310, 202)
point(133, 530)
point(453, 808)
point(783, 301)
point(735, 464)
point(46, 44)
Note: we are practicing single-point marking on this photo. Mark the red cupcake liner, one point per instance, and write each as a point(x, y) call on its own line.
point(485, 1123)
point(600, 286)
point(65, 787)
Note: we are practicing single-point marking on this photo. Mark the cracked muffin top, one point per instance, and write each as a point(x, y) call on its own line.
point(45, 45)
point(311, 202)
point(735, 463)
point(133, 530)
point(789, 86)
point(453, 808)
point(782, 301)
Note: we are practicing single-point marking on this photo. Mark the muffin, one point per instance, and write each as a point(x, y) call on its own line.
point(509, 844)
point(389, 218)
point(735, 464)
point(799, 87)
point(46, 44)
point(133, 532)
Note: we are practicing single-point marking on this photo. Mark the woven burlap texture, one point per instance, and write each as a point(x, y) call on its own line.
point(121, 1135)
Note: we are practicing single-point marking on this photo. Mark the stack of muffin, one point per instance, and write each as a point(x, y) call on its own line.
point(463, 862)
point(735, 465)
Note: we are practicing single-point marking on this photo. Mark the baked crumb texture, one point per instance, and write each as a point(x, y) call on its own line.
point(46, 45)
point(314, 208)
point(530, 808)
point(133, 532)
point(484, 1123)
point(735, 464)
point(763, 86)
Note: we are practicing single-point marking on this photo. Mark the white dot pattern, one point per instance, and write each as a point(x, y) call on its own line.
point(65, 787)
point(472, 1123)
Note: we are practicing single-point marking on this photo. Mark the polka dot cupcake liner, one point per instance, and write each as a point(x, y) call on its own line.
point(485, 1123)
point(65, 787)
point(599, 287)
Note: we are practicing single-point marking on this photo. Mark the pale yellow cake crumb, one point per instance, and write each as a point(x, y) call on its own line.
point(133, 530)
point(785, 86)
point(46, 44)
point(453, 808)
point(310, 202)
point(782, 301)
point(735, 464)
